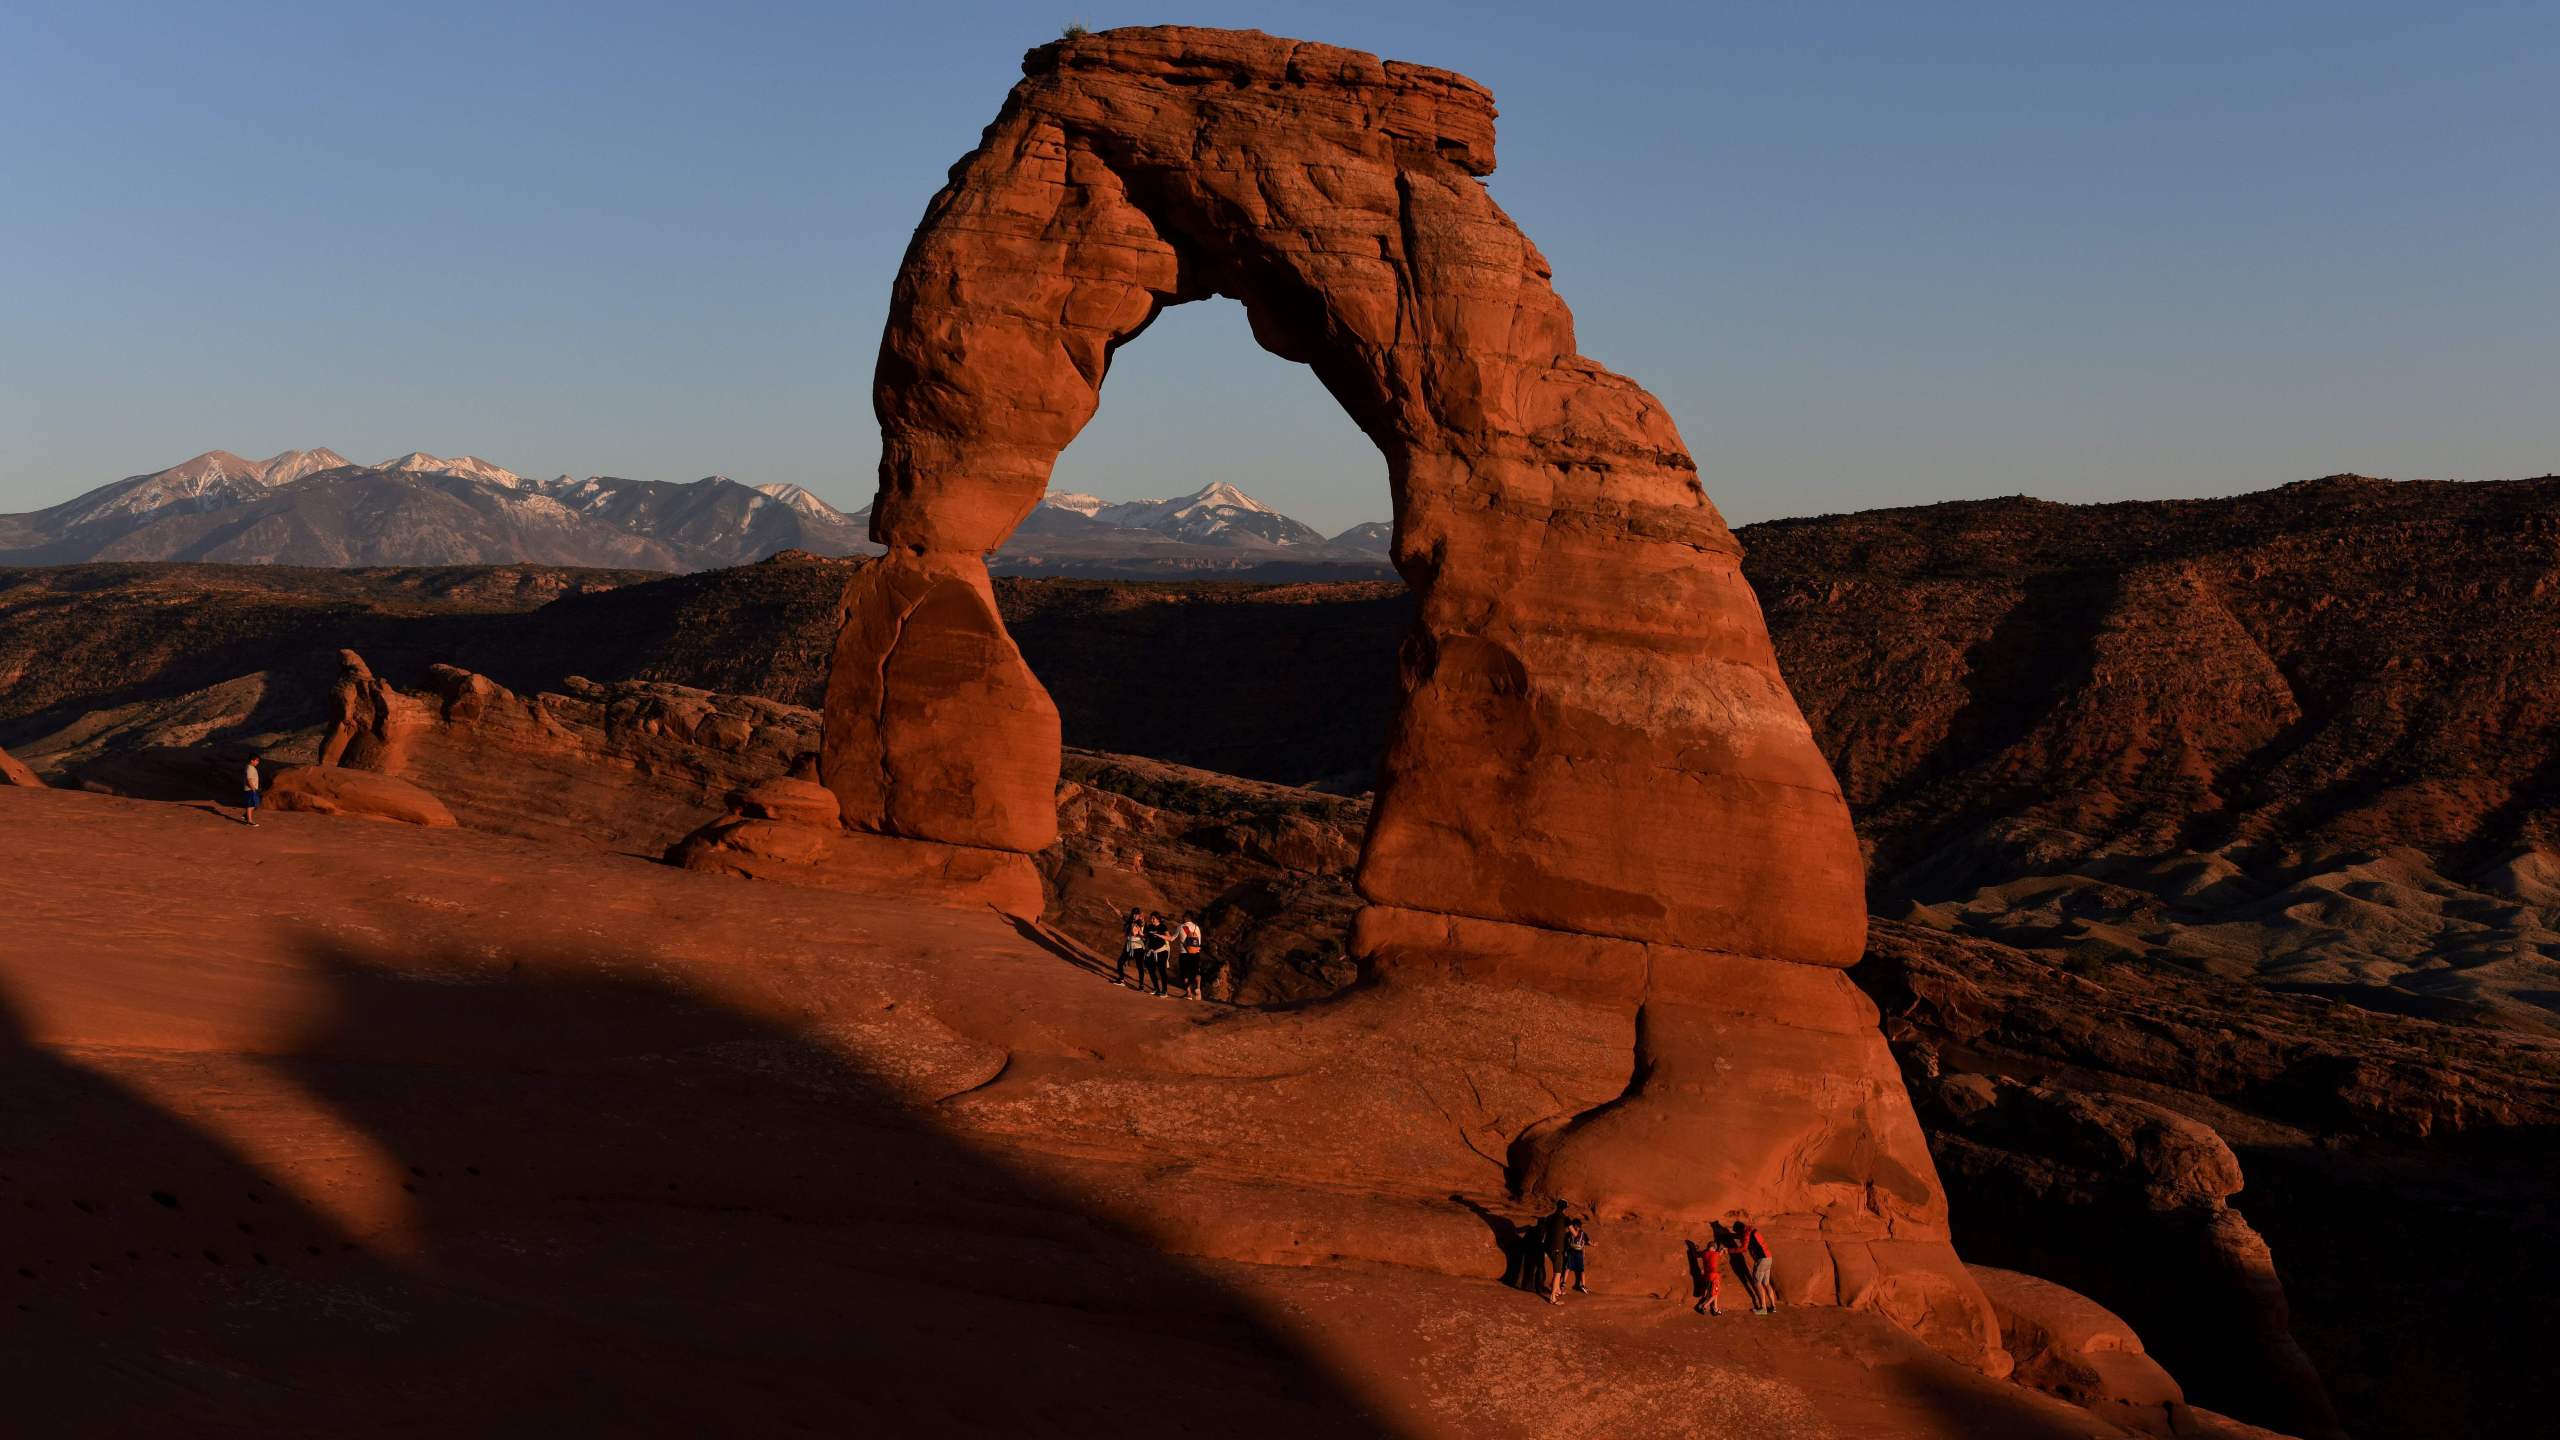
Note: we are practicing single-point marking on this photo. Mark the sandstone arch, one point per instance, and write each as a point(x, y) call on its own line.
point(1597, 783)
point(1590, 677)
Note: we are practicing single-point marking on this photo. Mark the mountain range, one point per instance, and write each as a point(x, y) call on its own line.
point(316, 507)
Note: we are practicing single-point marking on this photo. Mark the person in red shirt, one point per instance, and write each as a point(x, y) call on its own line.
point(1706, 1277)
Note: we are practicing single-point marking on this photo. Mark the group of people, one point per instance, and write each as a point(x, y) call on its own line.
point(1166, 954)
point(1740, 1245)
point(1555, 1248)
point(1553, 1251)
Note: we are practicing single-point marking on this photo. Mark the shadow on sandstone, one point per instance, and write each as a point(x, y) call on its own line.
point(634, 1213)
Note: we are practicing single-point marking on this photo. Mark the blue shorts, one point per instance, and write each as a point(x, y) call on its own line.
point(248, 799)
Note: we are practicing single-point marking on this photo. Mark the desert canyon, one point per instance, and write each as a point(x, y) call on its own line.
point(2094, 948)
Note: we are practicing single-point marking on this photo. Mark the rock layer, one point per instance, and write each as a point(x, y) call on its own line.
point(629, 766)
point(1596, 784)
point(335, 790)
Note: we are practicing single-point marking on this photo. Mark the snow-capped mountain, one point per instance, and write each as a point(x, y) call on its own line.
point(470, 467)
point(1375, 536)
point(313, 507)
point(799, 499)
point(1214, 514)
point(715, 520)
point(215, 479)
point(1079, 503)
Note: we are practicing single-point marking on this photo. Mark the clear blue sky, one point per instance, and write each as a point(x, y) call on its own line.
point(1868, 254)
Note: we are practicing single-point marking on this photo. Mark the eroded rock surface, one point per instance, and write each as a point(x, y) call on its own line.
point(335, 790)
point(633, 766)
point(13, 773)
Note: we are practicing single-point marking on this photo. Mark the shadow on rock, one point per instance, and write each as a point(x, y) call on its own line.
point(633, 1212)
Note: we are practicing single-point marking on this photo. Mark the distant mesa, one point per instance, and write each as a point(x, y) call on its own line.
point(316, 507)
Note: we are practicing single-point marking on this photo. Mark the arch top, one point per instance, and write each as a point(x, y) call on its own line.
point(1438, 110)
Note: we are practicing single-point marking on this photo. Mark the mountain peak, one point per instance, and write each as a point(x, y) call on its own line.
point(209, 465)
point(287, 466)
point(798, 498)
point(468, 467)
point(1219, 492)
point(1080, 502)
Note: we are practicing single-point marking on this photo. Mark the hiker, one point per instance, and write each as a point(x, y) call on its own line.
point(1151, 964)
point(1706, 1275)
point(1552, 1241)
point(249, 794)
point(1751, 1258)
point(1133, 946)
point(1187, 939)
point(1577, 1239)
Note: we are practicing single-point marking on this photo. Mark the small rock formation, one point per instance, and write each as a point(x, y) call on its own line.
point(2069, 1345)
point(13, 773)
point(2157, 1184)
point(792, 830)
point(1596, 784)
point(335, 790)
point(631, 766)
point(2115, 1195)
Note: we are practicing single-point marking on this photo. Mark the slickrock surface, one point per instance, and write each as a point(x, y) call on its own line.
point(1588, 692)
point(332, 1127)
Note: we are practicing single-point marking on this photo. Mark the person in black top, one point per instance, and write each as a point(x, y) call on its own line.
point(1555, 1238)
point(1577, 1239)
point(1151, 964)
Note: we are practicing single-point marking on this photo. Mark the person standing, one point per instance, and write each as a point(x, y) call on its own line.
point(1706, 1276)
point(1187, 938)
point(1151, 968)
point(1553, 1235)
point(1133, 946)
point(1577, 1239)
point(249, 785)
point(1751, 1256)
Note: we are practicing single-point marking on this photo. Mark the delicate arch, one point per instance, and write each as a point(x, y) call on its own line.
point(1596, 784)
point(1592, 735)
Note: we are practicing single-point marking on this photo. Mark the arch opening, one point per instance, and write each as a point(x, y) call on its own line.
point(1220, 738)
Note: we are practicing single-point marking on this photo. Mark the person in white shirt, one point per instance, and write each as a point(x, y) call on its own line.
point(249, 794)
point(1186, 939)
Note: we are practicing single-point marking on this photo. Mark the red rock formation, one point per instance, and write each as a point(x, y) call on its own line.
point(13, 773)
point(793, 831)
point(630, 766)
point(2069, 1345)
point(1596, 783)
point(335, 790)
